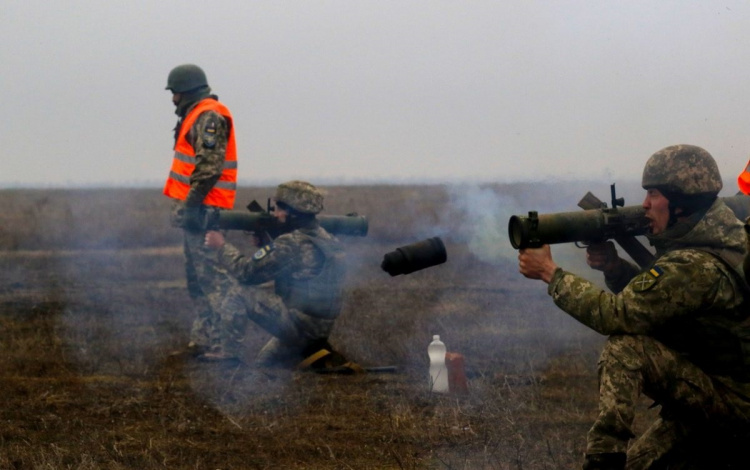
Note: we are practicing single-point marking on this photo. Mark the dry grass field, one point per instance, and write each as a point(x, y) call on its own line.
point(93, 299)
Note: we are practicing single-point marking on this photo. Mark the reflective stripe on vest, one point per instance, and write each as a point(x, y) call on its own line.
point(178, 183)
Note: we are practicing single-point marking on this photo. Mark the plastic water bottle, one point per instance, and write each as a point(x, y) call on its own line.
point(438, 371)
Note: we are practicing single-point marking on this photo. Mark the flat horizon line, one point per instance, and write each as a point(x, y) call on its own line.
point(266, 182)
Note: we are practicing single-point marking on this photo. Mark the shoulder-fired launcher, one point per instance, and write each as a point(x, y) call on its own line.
point(350, 224)
point(591, 226)
point(594, 225)
point(255, 219)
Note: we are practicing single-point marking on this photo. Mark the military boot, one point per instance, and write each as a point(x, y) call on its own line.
point(612, 461)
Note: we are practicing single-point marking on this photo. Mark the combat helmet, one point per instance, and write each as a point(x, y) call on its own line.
point(300, 196)
point(682, 171)
point(186, 77)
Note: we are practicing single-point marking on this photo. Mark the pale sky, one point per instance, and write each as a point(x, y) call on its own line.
point(381, 91)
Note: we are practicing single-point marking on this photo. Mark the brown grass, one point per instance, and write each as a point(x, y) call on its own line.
point(92, 300)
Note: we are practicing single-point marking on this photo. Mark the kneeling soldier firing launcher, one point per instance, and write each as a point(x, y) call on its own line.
point(678, 330)
point(306, 264)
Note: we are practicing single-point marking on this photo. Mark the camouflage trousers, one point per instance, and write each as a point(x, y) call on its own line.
point(293, 331)
point(691, 401)
point(209, 285)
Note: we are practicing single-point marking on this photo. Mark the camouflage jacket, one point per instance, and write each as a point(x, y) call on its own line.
point(210, 150)
point(306, 264)
point(691, 299)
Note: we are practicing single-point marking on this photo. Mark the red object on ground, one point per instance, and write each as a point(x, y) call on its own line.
point(457, 382)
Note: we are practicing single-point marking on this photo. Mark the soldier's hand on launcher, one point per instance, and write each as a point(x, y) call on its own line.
point(602, 256)
point(255, 239)
point(214, 239)
point(537, 263)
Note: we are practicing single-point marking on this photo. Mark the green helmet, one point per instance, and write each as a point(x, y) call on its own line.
point(300, 196)
point(682, 170)
point(186, 77)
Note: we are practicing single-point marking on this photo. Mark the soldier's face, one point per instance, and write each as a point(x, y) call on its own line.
point(176, 97)
point(280, 214)
point(657, 210)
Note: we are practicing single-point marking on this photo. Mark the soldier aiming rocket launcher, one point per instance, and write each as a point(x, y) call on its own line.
point(597, 223)
point(259, 220)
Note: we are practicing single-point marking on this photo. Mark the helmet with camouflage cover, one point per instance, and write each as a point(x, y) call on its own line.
point(301, 196)
point(186, 77)
point(682, 170)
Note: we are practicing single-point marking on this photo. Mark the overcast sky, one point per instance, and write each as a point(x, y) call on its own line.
point(357, 91)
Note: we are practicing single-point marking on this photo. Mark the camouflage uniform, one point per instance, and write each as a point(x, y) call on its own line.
point(207, 282)
point(676, 334)
point(307, 268)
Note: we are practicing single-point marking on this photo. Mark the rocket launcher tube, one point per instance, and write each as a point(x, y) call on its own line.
point(593, 225)
point(352, 224)
point(590, 226)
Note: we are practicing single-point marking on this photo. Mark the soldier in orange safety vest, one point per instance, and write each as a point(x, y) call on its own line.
point(203, 178)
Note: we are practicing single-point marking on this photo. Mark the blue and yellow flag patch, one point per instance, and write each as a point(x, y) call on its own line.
point(647, 280)
point(263, 252)
point(209, 133)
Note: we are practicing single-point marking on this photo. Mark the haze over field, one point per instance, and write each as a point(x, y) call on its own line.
point(341, 91)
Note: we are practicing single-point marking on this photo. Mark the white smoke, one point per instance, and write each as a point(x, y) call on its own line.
point(486, 214)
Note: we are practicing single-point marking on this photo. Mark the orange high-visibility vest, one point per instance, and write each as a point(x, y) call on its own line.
point(178, 183)
point(744, 180)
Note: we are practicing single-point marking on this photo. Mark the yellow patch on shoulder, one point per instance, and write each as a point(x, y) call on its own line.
point(263, 252)
point(647, 280)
